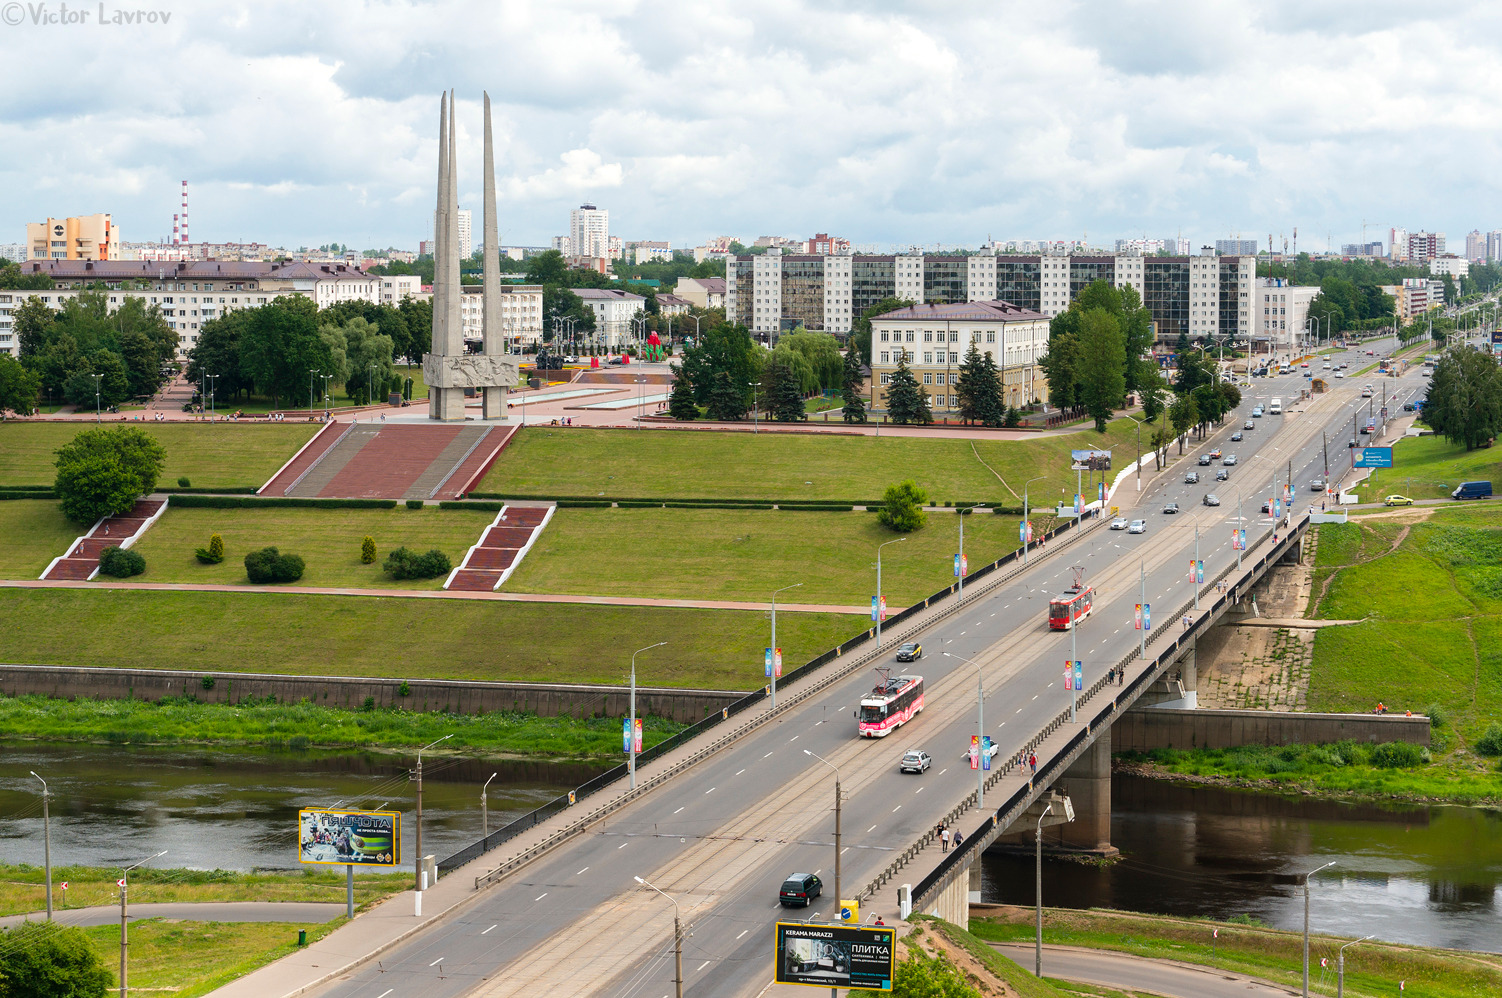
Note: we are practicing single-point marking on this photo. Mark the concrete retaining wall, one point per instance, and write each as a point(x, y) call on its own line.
point(350, 693)
point(1145, 728)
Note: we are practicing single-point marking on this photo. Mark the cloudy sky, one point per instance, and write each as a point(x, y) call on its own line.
point(890, 124)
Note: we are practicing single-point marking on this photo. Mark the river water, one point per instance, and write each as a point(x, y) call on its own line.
point(236, 809)
point(1428, 876)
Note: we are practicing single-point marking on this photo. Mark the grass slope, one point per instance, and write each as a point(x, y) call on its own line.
point(403, 637)
point(1372, 968)
point(35, 532)
point(1431, 610)
point(744, 555)
point(587, 462)
point(186, 959)
point(211, 455)
point(301, 725)
point(1430, 468)
point(328, 540)
point(23, 887)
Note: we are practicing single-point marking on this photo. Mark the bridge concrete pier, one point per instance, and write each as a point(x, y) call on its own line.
point(1178, 685)
point(1087, 785)
point(953, 903)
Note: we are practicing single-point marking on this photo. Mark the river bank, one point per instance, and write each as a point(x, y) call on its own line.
point(1276, 955)
point(1343, 771)
point(298, 726)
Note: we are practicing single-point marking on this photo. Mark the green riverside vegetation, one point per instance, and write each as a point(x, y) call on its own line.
point(404, 637)
point(35, 532)
point(211, 455)
point(1373, 968)
point(307, 725)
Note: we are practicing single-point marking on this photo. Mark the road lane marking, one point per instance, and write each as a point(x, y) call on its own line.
point(918, 791)
point(710, 790)
point(436, 962)
point(793, 739)
point(702, 966)
point(582, 872)
point(897, 808)
point(383, 994)
point(743, 932)
point(483, 933)
point(941, 773)
point(871, 829)
point(675, 812)
point(622, 846)
point(540, 896)
point(739, 772)
point(767, 756)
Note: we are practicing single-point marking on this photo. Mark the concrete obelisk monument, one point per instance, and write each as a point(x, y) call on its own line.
point(449, 370)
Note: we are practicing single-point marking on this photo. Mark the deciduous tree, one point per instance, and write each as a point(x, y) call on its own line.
point(101, 472)
point(1102, 365)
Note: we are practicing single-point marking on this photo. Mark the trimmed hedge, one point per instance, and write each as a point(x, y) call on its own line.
point(121, 562)
point(25, 488)
point(414, 504)
point(20, 494)
point(582, 503)
point(251, 502)
point(493, 507)
point(240, 490)
point(717, 500)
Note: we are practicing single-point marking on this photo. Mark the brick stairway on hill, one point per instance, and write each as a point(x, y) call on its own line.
point(334, 460)
point(302, 463)
point(469, 439)
point(82, 558)
point(500, 548)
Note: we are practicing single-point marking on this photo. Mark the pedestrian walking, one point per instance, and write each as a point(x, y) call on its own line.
point(1110, 676)
point(957, 839)
point(1032, 761)
point(945, 837)
point(1121, 678)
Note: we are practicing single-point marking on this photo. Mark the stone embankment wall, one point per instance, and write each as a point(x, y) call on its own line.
point(351, 693)
point(1145, 728)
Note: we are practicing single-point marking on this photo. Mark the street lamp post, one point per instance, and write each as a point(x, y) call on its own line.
point(311, 374)
point(1306, 923)
point(1038, 895)
point(1139, 452)
point(485, 809)
point(641, 399)
point(124, 942)
point(417, 872)
point(784, 589)
point(209, 379)
point(959, 569)
point(1340, 966)
point(1196, 566)
point(877, 608)
point(371, 399)
point(980, 731)
point(838, 900)
point(98, 379)
point(1026, 539)
point(754, 386)
point(631, 728)
point(677, 937)
point(328, 397)
point(46, 842)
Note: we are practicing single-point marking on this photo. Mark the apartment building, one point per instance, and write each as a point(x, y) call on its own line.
point(521, 315)
point(189, 294)
point(86, 237)
point(1281, 312)
point(613, 311)
point(1425, 246)
point(588, 232)
point(1202, 296)
point(1452, 265)
point(705, 292)
point(392, 290)
point(1475, 246)
point(934, 338)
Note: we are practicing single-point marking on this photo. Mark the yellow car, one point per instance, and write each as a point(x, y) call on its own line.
point(1397, 501)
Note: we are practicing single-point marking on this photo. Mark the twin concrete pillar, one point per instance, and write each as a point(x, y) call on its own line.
point(1088, 785)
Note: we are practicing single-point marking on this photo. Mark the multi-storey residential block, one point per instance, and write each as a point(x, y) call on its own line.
point(1397, 244)
point(705, 292)
point(589, 232)
point(1421, 294)
point(393, 289)
point(1494, 245)
point(613, 311)
point(934, 338)
point(89, 237)
point(1475, 246)
point(1201, 296)
point(1452, 265)
point(1425, 246)
point(1281, 311)
point(521, 315)
point(1236, 247)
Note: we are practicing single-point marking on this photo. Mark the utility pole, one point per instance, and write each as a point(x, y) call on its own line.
point(1196, 579)
point(1142, 612)
point(877, 609)
point(959, 569)
point(1306, 924)
point(838, 901)
point(775, 654)
point(631, 718)
point(417, 871)
point(46, 842)
point(1340, 972)
point(485, 810)
point(677, 938)
point(1074, 626)
point(124, 940)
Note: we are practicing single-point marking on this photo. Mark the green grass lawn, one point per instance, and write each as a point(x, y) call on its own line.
point(403, 637)
point(186, 959)
point(210, 455)
point(23, 887)
point(35, 532)
point(790, 466)
point(745, 554)
point(1430, 468)
point(328, 540)
point(1431, 611)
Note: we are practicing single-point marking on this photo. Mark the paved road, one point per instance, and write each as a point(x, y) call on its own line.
point(205, 911)
point(722, 838)
point(1119, 970)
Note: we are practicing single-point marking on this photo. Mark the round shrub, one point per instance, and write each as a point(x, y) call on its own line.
point(268, 565)
point(1490, 742)
point(367, 551)
point(1438, 715)
point(214, 553)
point(183, 482)
point(404, 563)
point(1397, 755)
point(121, 562)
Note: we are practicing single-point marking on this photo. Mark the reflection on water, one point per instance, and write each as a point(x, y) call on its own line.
point(236, 809)
point(1423, 875)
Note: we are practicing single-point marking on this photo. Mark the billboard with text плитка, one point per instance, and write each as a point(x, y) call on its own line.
point(836, 956)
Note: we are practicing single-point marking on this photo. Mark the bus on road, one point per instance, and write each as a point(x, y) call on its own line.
point(892, 703)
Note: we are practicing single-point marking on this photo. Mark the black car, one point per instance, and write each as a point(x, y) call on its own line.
point(1171, 507)
point(1192, 478)
point(910, 652)
point(1223, 475)
point(799, 890)
point(1212, 499)
point(1204, 459)
point(1236, 436)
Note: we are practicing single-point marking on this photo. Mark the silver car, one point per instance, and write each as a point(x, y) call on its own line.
point(915, 761)
point(1137, 527)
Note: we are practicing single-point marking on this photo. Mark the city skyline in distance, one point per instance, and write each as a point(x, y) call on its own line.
point(891, 126)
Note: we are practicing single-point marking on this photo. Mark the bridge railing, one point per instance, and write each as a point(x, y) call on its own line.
point(535, 817)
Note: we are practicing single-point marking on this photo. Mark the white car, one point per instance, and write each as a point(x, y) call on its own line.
point(1340, 374)
point(915, 761)
point(1137, 527)
point(1118, 524)
point(990, 752)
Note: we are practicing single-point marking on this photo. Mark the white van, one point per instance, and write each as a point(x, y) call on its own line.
point(1275, 407)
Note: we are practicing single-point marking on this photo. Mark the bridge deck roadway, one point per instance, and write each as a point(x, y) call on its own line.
point(721, 837)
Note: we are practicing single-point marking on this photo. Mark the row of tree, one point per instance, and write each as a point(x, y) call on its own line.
point(83, 348)
point(1464, 403)
point(1098, 350)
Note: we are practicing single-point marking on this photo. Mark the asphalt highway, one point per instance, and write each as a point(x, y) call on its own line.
point(720, 840)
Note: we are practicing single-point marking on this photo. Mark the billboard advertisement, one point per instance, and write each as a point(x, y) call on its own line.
point(349, 838)
point(1374, 457)
point(836, 956)
point(1091, 460)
